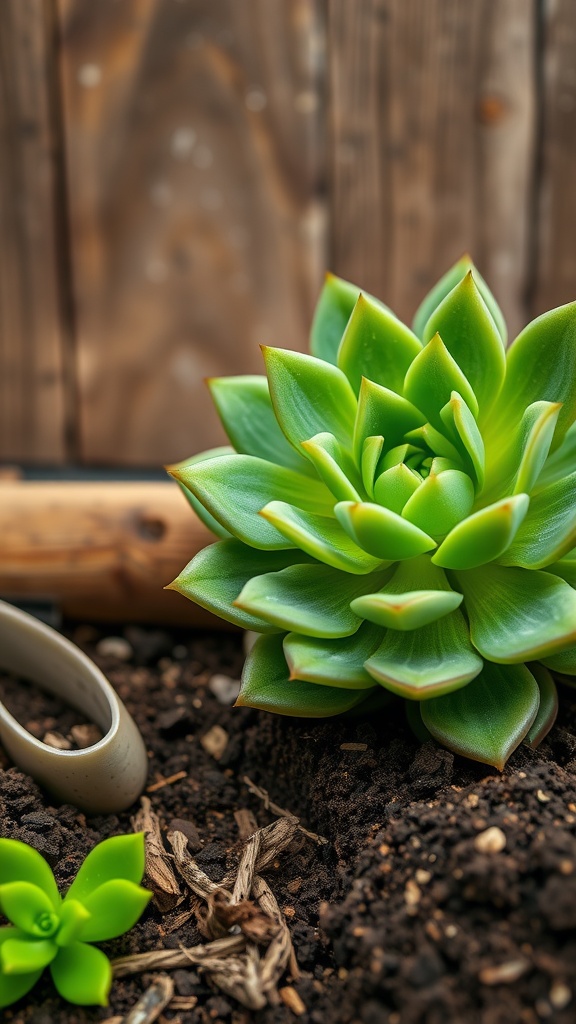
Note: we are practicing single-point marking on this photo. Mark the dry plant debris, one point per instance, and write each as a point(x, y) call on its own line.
point(159, 876)
point(269, 805)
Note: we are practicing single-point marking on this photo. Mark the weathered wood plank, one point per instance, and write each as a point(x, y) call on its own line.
point(556, 270)
point(433, 112)
point(194, 157)
point(32, 402)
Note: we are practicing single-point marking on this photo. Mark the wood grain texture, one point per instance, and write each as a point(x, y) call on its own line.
point(194, 156)
point(32, 405)
point(433, 112)
point(556, 270)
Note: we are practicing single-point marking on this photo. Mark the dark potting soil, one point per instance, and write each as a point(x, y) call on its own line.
point(413, 913)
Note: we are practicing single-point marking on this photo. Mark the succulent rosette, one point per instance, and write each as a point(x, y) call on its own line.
point(397, 514)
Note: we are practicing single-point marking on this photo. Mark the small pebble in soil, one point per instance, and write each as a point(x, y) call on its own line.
point(224, 689)
point(492, 840)
point(114, 647)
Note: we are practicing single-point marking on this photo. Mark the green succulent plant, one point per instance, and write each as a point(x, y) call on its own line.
point(398, 516)
point(104, 901)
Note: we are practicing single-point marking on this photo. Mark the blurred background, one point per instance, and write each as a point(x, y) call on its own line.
point(177, 175)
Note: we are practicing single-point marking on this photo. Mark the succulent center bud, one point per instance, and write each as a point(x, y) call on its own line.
point(46, 924)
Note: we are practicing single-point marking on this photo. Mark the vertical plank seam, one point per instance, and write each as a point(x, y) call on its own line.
point(536, 198)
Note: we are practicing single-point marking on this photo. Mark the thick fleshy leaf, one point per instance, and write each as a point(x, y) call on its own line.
point(309, 396)
point(309, 599)
point(445, 285)
point(434, 659)
point(547, 709)
point(382, 533)
point(335, 466)
point(14, 986)
point(115, 858)
point(566, 568)
point(376, 345)
point(21, 863)
point(541, 366)
point(321, 537)
point(483, 536)
point(26, 956)
point(565, 662)
point(561, 463)
point(395, 486)
point(410, 610)
point(518, 614)
point(73, 917)
point(383, 412)
point(442, 500)
point(515, 461)
point(216, 575)
point(371, 452)
point(549, 529)
point(235, 488)
point(82, 974)
point(245, 409)
point(202, 513)
point(432, 378)
point(462, 427)
point(489, 718)
point(266, 685)
point(333, 662)
point(114, 908)
point(335, 305)
point(30, 908)
point(427, 437)
point(468, 331)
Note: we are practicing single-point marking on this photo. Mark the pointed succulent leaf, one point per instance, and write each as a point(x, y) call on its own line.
point(14, 986)
point(114, 907)
point(406, 611)
point(216, 575)
point(73, 917)
point(371, 452)
point(441, 501)
point(445, 285)
point(515, 462)
point(245, 409)
point(25, 956)
point(431, 379)
point(82, 974)
point(29, 908)
point(115, 858)
point(183, 467)
point(266, 684)
point(549, 529)
point(468, 331)
point(381, 411)
point(483, 536)
point(561, 462)
point(334, 308)
point(322, 537)
point(489, 718)
point(334, 466)
point(518, 614)
point(458, 419)
point(309, 396)
point(434, 659)
point(395, 486)
point(311, 599)
point(376, 345)
point(333, 662)
point(565, 662)
point(382, 533)
point(21, 863)
point(547, 709)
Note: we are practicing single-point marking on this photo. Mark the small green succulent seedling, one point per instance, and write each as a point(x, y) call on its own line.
point(398, 515)
point(104, 901)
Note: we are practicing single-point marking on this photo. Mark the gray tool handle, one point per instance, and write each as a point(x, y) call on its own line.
point(103, 778)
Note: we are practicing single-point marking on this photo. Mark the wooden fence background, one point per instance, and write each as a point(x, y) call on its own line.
point(176, 175)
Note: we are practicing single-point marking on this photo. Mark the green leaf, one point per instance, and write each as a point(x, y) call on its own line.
point(427, 437)
point(202, 513)
point(547, 709)
point(26, 956)
point(462, 427)
point(114, 908)
point(406, 611)
point(322, 537)
point(549, 529)
point(441, 501)
point(29, 908)
point(21, 863)
point(334, 466)
point(247, 415)
point(469, 333)
point(414, 719)
point(518, 614)
point(309, 396)
point(383, 412)
point(337, 300)
point(446, 284)
point(565, 662)
point(82, 974)
point(376, 345)
point(118, 857)
point(432, 378)
point(381, 532)
point(235, 488)
point(14, 986)
point(434, 659)
point(217, 574)
point(395, 486)
point(515, 462)
point(371, 452)
point(483, 536)
point(333, 662)
point(561, 462)
point(266, 685)
point(566, 568)
point(310, 599)
point(72, 919)
point(489, 718)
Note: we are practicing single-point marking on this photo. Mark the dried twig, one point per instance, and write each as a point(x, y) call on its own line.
point(280, 952)
point(165, 782)
point(246, 868)
point(150, 1005)
point(168, 958)
point(246, 822)
point(273, 840)
point(269, 804)
point(188, 868)
point(159, 874)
